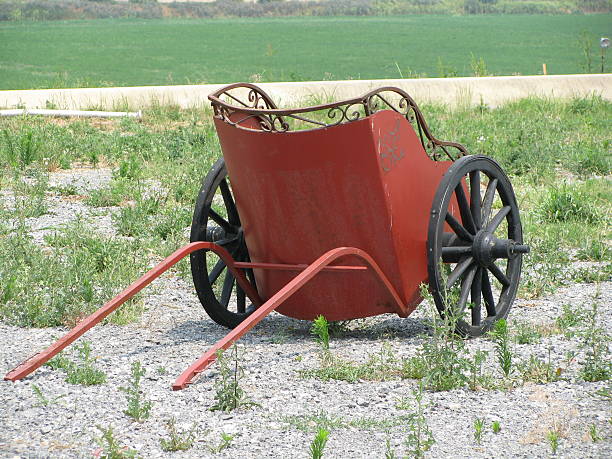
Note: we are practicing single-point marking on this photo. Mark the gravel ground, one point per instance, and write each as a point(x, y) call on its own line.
point(174, 331)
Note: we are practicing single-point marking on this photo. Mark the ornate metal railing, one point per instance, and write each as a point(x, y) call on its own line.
point(245, 105)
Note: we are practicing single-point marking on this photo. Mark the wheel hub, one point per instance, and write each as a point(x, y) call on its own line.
point(487, 248)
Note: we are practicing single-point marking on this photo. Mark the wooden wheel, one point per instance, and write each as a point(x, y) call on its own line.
point(216, 219)
point(475, 245)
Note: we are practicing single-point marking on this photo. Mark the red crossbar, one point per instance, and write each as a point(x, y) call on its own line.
point(276, 300)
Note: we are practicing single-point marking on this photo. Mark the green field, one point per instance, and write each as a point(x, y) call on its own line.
point(159, 52)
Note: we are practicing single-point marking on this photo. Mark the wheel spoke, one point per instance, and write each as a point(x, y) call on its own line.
point(499, 217)
point(458, 228)
point(219, 220)
point(458, 271)
point(228, 286)
point(475, 198)
point(464, 209)
point(216, 271)
point(452, 254)
point(501, 277)
point(487, 202)
point(240, 300)
point(487, 294)
point(230, 205)
point(476, 294)
point(466, 286)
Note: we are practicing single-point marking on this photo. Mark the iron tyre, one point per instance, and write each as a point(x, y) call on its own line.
point(475, 245)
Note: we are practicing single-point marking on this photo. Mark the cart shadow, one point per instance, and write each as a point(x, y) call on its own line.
point(279, 329)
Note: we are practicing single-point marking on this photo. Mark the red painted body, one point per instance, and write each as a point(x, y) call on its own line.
point(367, 184)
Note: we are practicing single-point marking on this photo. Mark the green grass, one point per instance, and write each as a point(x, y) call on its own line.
point(127, 52)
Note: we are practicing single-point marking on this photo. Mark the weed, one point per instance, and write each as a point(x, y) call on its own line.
point(441, 362)
point(138, 408)
point(318, 444)
point(479, 68)
point(479, 424)
point(568, 203)
point(42, 400)
point(320, 329)
point(30, 194)
point(21, 148)
point(526, 333)
point(586, 46)
point(477, 378)
point(228, 393)
point(595, 437)
point(570, 318)
point(596, 366)
point(83, 372)
point(594, 250)
point(501, 338)
point(224, 443)
point(420, 438)
point(65, 190)
point(110, 447)
point(379, 367)
point(322, 420)
point(178, 441)
point(553, 440)
point(538, 371)
point(496, 427)
point(389, 452)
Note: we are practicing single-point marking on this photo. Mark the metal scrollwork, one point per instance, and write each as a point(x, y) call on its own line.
point(259, 110)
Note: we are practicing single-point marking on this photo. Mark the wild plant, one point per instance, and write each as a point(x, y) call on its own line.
point(479, 68)
point(318, 444)
point(595, 437)
point(82, 372)
point(389, 451)
point(138, 407)
point(478, 429)
point(110, 447)
point(320, 329)
point(553, 440)
point(502, 346)
point(30, 194)
point(225, 442)
point(596, 366)
point(420, 437)
point(228, 393)
point(476, 375)
point(538, 371)
point(496, 427)
point(442, 361)
point(526, 333)
point(42, 399)
point(178, 441)
point(22, 148)
point(568, 203)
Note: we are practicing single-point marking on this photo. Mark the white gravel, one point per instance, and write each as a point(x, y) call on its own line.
point(175, 330)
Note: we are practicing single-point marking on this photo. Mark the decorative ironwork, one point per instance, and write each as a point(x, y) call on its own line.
point(260, 111)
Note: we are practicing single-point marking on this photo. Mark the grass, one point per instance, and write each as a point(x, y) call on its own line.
point(81, 372)
point(172, 51)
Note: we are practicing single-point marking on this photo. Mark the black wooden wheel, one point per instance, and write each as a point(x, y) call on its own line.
point(475, 252)
point(216, 219)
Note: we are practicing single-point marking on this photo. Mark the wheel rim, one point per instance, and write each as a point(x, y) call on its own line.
point(475, 245)
point(216, 219)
